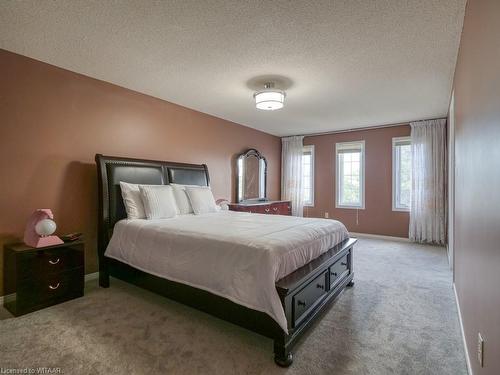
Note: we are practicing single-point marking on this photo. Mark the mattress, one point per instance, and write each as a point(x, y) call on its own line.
point(236, 255)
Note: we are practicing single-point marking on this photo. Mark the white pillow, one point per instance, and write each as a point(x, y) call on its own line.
point(202, 200)
point(159, 201)
point(182, 199)
point(132, 200)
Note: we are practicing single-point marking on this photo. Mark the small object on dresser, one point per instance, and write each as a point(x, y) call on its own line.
point(35, 278)
point(70, 237)
point(40, 228)
point(223, 204)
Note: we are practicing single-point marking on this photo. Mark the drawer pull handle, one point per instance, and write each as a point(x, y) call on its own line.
point(320, 286)
point(343, 263)
point(301, 303)
point(275, 208)
point(334, 274)
point(267, 209)
point(54, 287)
point(54, 261)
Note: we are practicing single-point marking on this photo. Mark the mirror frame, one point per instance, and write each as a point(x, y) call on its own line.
point(248, 153)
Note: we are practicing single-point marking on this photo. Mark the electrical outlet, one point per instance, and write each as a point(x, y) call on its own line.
point(327, 215)
point(480, 349)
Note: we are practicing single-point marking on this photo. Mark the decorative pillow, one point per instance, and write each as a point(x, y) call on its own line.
point(182, 199)
point(202, 200)
point(132, 200)
point(159, 201)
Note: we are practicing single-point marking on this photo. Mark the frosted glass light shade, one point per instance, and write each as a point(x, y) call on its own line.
point(269, 100)
point(45, 227)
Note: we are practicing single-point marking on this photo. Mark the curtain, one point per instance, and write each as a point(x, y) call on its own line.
point(291, 173)
point(428, 196)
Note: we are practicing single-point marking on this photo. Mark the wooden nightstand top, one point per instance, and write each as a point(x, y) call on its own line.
point(22, 247)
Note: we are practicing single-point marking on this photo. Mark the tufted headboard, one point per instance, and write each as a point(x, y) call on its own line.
point(111, 170)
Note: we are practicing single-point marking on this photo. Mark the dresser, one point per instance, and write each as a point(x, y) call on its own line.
point(269, 207)
point(35, 278)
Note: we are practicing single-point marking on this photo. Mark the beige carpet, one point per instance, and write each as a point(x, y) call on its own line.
point(399, 318)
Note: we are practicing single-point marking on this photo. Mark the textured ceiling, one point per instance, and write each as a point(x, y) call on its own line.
point(346, 64)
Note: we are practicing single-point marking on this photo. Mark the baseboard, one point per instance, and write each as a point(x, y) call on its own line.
point(379, 236)
point(91, 276)
point(467, 358)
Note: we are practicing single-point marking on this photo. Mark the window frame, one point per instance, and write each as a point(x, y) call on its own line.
point(311, 149)
point(397, 141)
point(338, 146)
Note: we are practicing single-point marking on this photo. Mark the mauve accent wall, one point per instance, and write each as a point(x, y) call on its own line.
point(477, 181)
point(378, 216)
point(54, 121)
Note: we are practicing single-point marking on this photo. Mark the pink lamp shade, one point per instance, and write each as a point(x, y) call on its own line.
point(40, 228)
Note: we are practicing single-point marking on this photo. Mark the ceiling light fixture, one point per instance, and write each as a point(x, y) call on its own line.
point(270, 98)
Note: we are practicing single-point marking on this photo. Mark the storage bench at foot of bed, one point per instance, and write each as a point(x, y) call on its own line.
point(306, 292)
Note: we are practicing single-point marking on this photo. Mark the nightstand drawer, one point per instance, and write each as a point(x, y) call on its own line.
point(48, 261)
point(51, 288)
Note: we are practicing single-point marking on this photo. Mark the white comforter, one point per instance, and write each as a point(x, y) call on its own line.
point(235, 255)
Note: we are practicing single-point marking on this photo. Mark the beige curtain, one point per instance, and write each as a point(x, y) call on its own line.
point(428, 196)
point(291, 173)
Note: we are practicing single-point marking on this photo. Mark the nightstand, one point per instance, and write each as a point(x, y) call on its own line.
point(35, 278)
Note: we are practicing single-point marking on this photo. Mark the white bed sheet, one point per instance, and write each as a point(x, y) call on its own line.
point(235, 255)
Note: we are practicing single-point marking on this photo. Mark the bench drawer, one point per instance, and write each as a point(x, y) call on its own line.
point(305, 300)
point(338, 270)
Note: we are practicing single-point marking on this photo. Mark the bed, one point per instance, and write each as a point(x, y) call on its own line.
point(271, 274)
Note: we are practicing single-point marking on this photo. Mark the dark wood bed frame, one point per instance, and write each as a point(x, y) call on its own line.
point(304, 294)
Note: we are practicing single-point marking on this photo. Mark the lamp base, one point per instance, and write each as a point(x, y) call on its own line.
point(43, 241)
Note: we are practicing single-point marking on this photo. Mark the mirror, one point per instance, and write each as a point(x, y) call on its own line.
point(251, 168)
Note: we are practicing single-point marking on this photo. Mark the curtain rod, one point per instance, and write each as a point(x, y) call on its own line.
point(364, 128)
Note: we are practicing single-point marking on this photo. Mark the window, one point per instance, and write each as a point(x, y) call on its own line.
point(308, 175)
point(350, 175)
point(401, 174)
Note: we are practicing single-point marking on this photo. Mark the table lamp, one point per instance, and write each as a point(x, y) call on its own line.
point(40, 228)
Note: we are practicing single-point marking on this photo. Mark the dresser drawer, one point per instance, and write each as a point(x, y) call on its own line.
point(51, 288)
point(261, 209)
point(272, 208)
point(49, 261)
point(308, 297)
point(338, 270)
point(282, 208)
